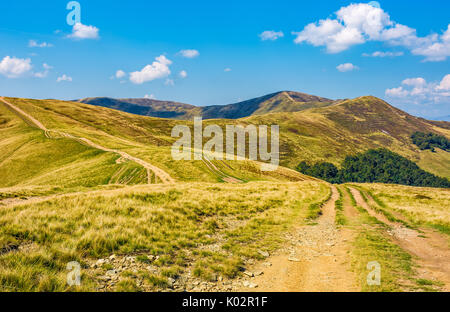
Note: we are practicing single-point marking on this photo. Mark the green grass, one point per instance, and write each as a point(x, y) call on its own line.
point(398, 270)
point(340, 218)
point(213, 227)
point(315, 209)
point(412, 206)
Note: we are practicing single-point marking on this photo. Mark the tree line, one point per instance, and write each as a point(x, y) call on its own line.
point(374, 166)
point(430, 141)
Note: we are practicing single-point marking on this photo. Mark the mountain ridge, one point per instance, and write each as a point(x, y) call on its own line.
point(282, 101)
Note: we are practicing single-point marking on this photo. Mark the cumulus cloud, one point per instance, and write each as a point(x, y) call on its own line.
point(397, 92)
point(445, 84)
point(383, 54)
point(13, 67)
point(419, 91)
point(120, 74)
point(189, 53)
point(362, 22)
point(149, 96)
point(227, 69)
point(64, 78)
point(157, 70)
point(183, 74)
point(347, 67)
point(415, 82)
point(271, 35)
point(35, 44)
point(44, 73)
point(81, 31)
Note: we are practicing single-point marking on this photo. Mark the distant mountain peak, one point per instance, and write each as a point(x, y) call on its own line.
point(282, 101)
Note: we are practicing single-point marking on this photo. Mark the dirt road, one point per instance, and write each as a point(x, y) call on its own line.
point(316, 259)
point(430, 248)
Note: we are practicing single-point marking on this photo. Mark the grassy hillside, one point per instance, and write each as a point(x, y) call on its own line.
point(143, 137)
point(28, 157)
point(207, 230)
point(328, 133)
point(352, 126)
point(421, 206)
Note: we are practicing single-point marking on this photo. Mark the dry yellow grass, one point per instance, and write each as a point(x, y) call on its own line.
point(205, 228)
point(420, 205)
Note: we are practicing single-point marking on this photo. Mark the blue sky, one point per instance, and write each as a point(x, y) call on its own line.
point(145, 39)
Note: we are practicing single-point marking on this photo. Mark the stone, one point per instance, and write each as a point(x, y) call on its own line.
point(249, 284)
point(265, 254)
point(100, 262)
point(111, 272)
point(170, 282)
point(258, 273)
point(249, 274)
point(293, 259)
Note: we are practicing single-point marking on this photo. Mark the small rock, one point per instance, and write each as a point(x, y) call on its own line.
point(151, 258)
point(170, 282)
point(293, 259)
point(258, 273)
point(267, 264)
point(111, 272)
point(112, 257)
point(248, 273)
point(100, 262)
point(265, 254)
point(250, 285)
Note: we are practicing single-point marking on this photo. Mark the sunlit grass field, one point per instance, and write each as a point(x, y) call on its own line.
point(419, 205)
point(207, 229)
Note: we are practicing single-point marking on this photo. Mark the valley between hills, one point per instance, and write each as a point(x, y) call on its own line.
point(93, 181)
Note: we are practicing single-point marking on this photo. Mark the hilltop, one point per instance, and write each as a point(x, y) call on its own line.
point(284, 101)
point(319, 131)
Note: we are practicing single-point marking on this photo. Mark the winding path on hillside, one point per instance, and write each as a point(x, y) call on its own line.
point(159, 173)
point(431, 251)
point(315, 261)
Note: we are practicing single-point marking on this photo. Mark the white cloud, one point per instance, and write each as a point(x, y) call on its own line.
point(347, 67)
point(13, 67)
point(419, 91)
point(35, 44)
point(158, 69)
point(190, 53)
point(271, 35)
point(445, 84)
point(81, 31)
point(183, 74)
point(120, 74)
point(227, 69)
point(43, 73)
point(169, 82)
point(415, 82)
point(64, 78)
point(397, 92)
point(383, 54)
point(362, 22)
point(149, 96)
